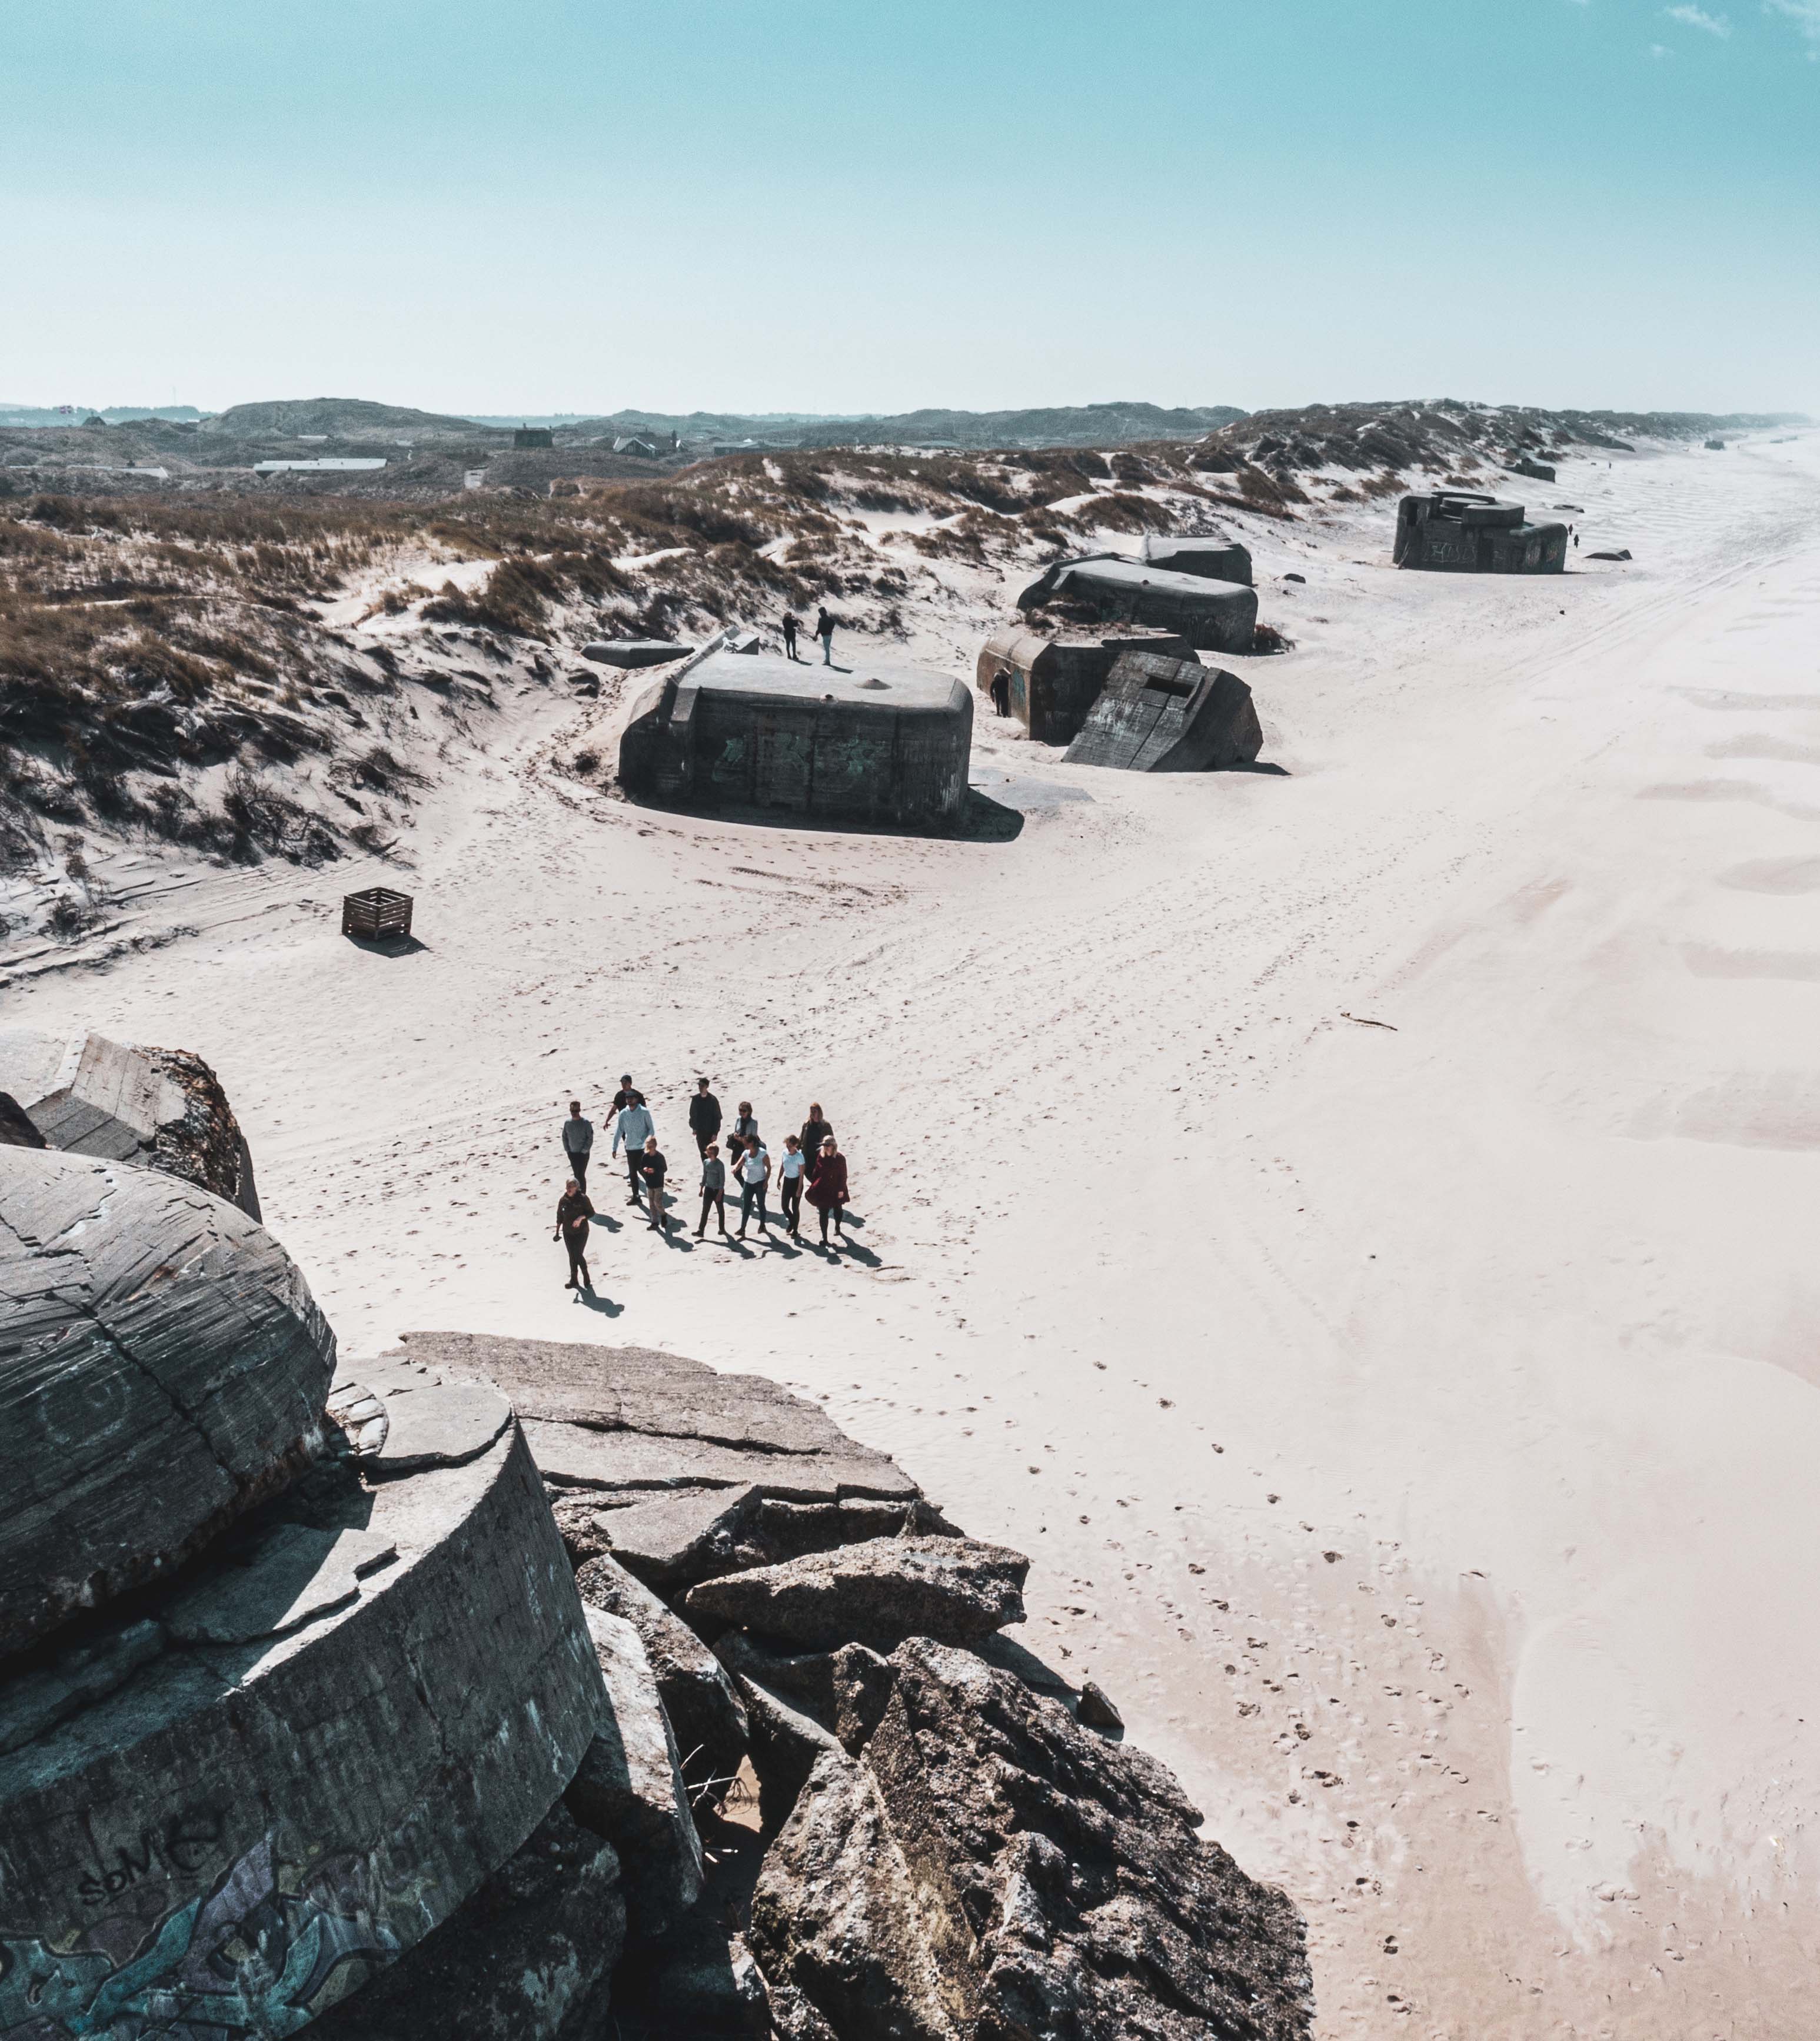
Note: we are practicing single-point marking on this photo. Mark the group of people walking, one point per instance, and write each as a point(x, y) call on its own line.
point(811, 1166)
point(824, 630)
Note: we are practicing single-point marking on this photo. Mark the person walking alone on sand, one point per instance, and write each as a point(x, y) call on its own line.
point(824, 631)
point(577, 1142)
point(713, 1188)
point(703, 1115)
point(828, 1188)
point(790, 1185)
point(754, 1174)
point(635, 1127)
point(790, 627)
point(573, 1212)
point(654, 1169)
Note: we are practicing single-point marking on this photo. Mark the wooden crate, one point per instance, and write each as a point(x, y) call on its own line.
point(379, 911)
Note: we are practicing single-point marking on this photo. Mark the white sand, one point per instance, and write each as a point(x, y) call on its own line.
point(1511, 1310)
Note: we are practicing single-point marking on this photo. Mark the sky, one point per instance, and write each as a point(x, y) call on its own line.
point(847, 205)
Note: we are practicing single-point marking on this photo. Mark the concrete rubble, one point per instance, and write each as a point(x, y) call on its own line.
point(376, 1727)
point(162, 1107)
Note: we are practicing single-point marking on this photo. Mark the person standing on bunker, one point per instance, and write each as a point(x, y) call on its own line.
point(573, 1212)
point(578, 1143)
point(654, 1169)
point(713, 1188)
point(790, 627)
point(634, 1127)
point(754, 1174)
point(790, 1170)
point(824, 631)
point(828, 1187)
point(703, 1115)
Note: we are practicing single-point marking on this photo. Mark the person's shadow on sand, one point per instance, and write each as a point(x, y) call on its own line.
point(605, 1306)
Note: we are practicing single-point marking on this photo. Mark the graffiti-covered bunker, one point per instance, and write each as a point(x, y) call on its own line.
point(1459, 531)
point(1213, 615)
point(1050, 680)
point(1159, 715)
point(878, 744)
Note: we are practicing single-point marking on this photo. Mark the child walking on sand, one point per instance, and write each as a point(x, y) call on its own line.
point(713, 1189)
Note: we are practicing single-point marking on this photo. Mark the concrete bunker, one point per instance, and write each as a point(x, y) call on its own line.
point(1159, 715)
point(729, 730)
point(1049, 681)
point(1215, 559)
point(1212, 616)
point(1458, 531)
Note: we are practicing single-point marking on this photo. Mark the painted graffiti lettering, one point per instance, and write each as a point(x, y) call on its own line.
point(182, 1845)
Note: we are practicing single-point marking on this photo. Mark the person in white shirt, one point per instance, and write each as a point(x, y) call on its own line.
point(635, 1127)
point(790, 1184)
point(754, 1174)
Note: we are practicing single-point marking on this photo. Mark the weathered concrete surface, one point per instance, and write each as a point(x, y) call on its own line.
point(1168, 715)
point(1213, 615)
point(662, 1462)
point(635, 651)
point(273, 1779)
point(529, 1958)
point(1051, 679)
point(628, 1787)
point(989, 1867)
point(162, 1366)
point(705, 1712)
point(786, 1739)
point(885, 745)
point(1462, 530)
point(162, 1108)
point(1218, 559)
point(843, 1692)
point(878, 1593)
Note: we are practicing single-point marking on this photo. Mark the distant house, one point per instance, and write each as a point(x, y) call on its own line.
point(637, 445)
point(533, 436)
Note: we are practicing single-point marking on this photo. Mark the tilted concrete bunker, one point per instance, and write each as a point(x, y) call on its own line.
point(1459, 531)
point(1212, 616)
point(1158, 714)
point(1215, 559)
point(885, 745)
point(1049, 681)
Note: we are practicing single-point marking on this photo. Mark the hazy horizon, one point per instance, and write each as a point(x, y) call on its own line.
point(1594, 203)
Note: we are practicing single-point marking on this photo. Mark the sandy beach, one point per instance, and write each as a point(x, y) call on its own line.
point(1351, 1226)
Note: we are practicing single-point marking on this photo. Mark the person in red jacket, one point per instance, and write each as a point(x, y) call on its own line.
point(828, 1186)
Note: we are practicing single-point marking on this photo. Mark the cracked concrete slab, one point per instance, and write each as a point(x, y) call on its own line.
point(162, 1366)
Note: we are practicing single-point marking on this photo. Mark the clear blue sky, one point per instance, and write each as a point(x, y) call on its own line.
point(847, 204)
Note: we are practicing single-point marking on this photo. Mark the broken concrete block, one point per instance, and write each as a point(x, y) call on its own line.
point(1097, 1711)
point(843, 1692)
point(1156, 715)
point(162, 1368)
point(159, 1108)
point(987, 1866)
point(705, 1713)
point(635, 651)
point(628, 1787)
point(1213, 615)
point(303, 1753)
point(878, 1593)
point(529, 1958)
point(1216, 559)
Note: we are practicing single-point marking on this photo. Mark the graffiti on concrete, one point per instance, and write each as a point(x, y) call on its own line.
point(255, 1955)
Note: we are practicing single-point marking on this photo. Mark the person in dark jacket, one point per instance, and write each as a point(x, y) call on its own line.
point(573, 1212)
point(653, 1169)
point(815, 1131)
point(828, 1187)
point(713, 1188)
point(577, 1142)
point(703, 1115)
point(745, 1128)
point(790, 627)
point(824, 631)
